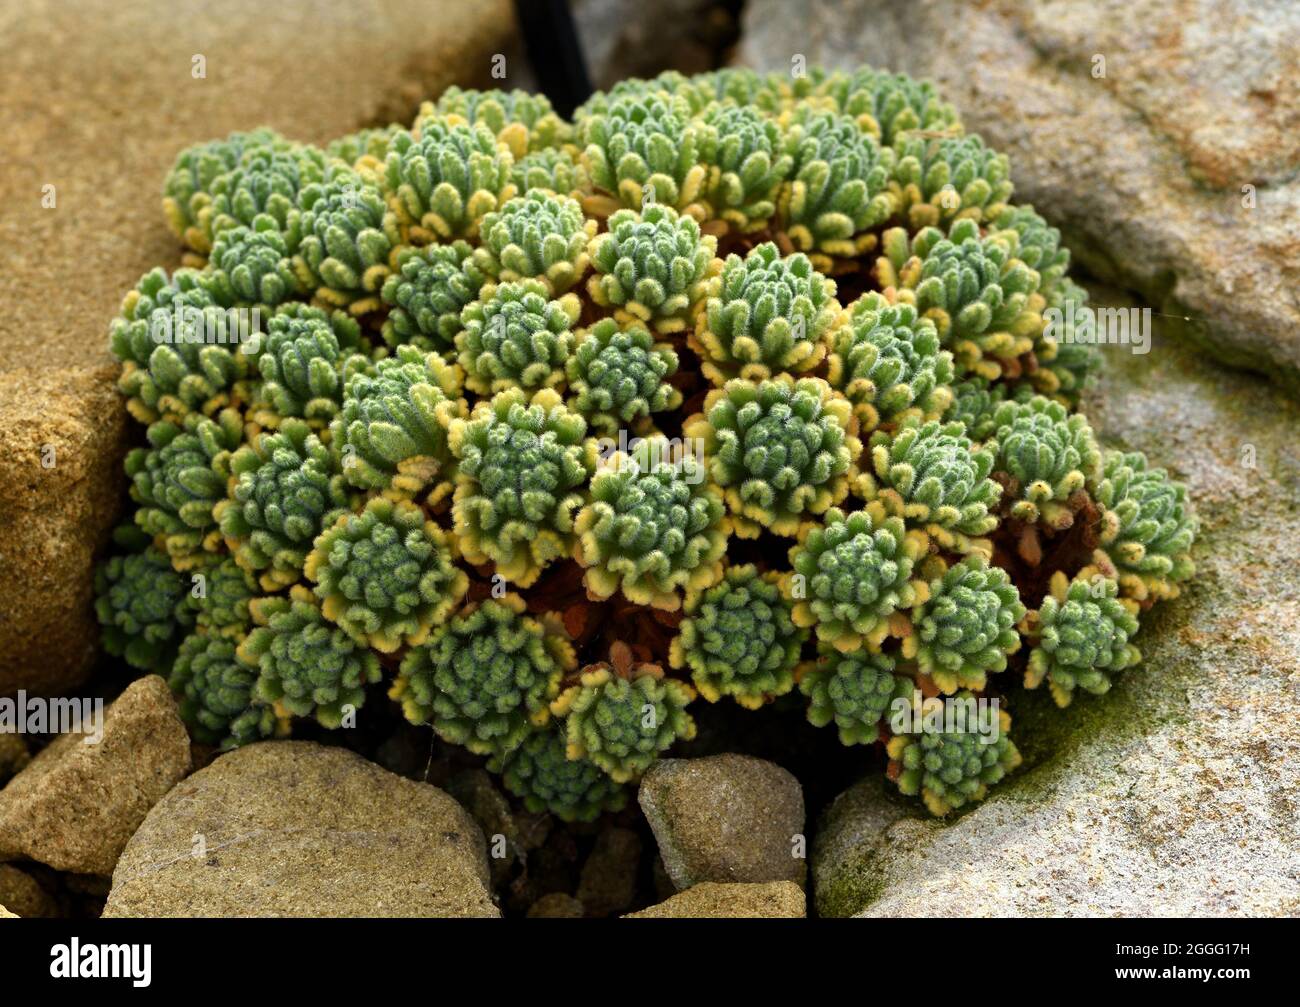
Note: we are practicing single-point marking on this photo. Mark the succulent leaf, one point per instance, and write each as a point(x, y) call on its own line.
point(385, 575)
point(215, 689)
point(652, 268)
point(939, 180)
point(640, 149)
point(1151, 526)
point(574, 790)
point(391, 433)
point(851, 577)
point(951, 768)
point(966, 628)
point(251, 267)
point(539, 236)
point(765, 315)
point(619, 377)
point(179, 348)
point(427, 294)
point(189, 186)
point(1035, 243)
point(982, 299)
point(738, 639)
point(520, 120)
point(549, 170)
point(622, 722)
point(742, 152)
point(523, 468)
point(1082, 631)
point(365, 150)
point(307, 355)
point(783, 451)
point(516, 337)
point(285, 490)
point(441, 183)
point(345, 249)
point(141, 603)
point(974, 405)
point(837, 191)
point(1045, 456)
point(262, 190)
point(855, 691)
point(485, 678)
point(933, 475)
point(307, 666)
point(887, 361)
point(890, 106)
point(220, 592)
point(654, 526)
point(180, 477)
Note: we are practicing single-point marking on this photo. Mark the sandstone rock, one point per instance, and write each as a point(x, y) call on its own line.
point(77, 803)
point(1142, 169)
point(607, 884)
point(72, 87)
point(1173, 794)
point(23, 895)
point(62, 435)
point(293, 828)
point(728, 818)
point(716, 900)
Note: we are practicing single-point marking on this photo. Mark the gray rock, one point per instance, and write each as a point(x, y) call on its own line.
point(1174, 794)
point(714, 900)
point(1143, 169)
point(62, 437)
point(77, 803)
point(293, 828)
point(729, 818)
point(631, 38)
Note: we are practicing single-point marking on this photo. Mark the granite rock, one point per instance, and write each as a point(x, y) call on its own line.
point(1161, 138)
point(1175, 793)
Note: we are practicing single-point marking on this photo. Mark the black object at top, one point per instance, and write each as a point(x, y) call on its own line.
point(555, 52)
